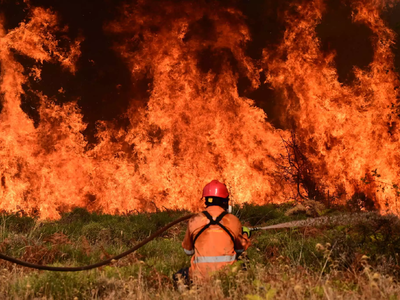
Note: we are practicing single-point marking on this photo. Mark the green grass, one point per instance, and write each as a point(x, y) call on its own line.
point(330, 262)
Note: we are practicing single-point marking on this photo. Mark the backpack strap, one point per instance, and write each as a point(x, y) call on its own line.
point(214, 222)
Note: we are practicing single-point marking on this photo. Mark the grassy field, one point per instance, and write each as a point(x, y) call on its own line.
point(358, 261)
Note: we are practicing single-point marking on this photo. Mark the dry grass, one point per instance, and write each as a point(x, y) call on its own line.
point(277, 281)
point(332, 262)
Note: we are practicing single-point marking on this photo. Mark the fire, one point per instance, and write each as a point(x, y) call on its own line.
point(36, 168)
point(195, 126)
point(347, 131)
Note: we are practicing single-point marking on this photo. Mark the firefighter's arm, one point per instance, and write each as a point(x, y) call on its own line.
point(242, 241)
point(187, 243)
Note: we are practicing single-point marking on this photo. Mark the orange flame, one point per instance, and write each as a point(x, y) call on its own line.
point(347, 130)
point(195, 126)
point(36, 169)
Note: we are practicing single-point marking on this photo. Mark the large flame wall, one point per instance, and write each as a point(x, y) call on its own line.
point(195, 127)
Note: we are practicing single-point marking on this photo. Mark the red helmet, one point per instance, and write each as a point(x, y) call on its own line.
point(215, 189)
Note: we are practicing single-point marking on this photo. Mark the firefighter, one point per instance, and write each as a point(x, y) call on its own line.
point(215, 238)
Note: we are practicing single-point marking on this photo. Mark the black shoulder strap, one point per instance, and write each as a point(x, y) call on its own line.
point(214, 222)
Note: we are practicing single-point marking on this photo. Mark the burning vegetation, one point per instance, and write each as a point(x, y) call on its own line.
point(191, 117)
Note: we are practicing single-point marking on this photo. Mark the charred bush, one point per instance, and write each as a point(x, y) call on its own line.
point(297, 170)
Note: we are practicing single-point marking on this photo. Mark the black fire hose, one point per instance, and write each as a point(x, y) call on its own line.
point(99, 264)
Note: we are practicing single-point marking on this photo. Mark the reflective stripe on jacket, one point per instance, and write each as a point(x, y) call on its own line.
point(214, 248)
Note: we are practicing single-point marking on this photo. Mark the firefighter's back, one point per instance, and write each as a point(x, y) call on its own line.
point(214, 246)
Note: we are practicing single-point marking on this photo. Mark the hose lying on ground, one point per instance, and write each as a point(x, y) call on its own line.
point(100, 264)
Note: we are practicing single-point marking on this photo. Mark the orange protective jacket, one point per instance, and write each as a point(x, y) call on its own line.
point(214, 247)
